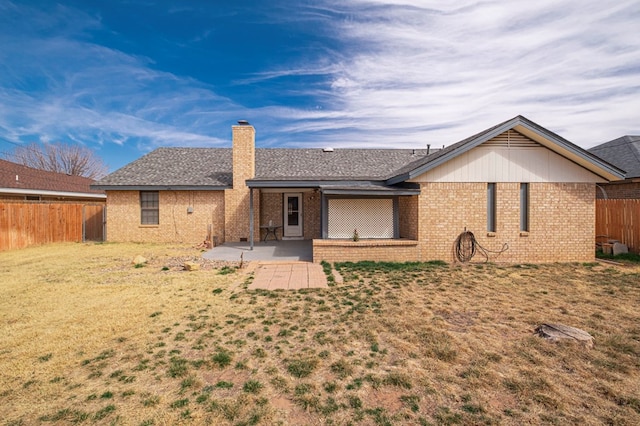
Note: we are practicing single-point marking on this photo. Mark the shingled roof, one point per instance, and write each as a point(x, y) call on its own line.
point(16, 177)
point(206, 168)
point(624, 152)
point(211, 168)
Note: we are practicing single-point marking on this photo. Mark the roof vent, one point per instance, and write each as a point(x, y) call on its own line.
point(243, 122)
point(327, 149)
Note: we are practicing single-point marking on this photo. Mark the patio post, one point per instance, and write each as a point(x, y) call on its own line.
point(250, 218)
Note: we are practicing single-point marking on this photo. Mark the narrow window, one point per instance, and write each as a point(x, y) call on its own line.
point(149, 210)
point(524, 207)
point(491, 207)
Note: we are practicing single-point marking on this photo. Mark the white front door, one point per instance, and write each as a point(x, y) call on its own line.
point(292, 215)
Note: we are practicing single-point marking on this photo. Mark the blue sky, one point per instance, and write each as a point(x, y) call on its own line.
point(126, 77)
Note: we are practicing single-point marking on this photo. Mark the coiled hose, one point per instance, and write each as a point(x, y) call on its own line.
point(466, 246)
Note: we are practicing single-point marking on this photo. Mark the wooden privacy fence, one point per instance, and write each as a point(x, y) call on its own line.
point(27, 224)
point(619, 220)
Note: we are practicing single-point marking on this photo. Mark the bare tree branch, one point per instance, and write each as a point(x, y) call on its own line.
point(73, 160)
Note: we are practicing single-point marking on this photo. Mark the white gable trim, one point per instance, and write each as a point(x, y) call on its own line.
point(529, 129)
point(494, 163)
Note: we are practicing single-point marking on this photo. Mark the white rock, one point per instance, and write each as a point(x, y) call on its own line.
point(619, 248)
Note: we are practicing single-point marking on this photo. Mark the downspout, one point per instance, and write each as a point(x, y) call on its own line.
point(396, 217)
point(604, 193)
point(324, 215)
point(250, 218)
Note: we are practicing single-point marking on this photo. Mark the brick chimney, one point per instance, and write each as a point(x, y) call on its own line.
point(236, 200)
point(244, 153)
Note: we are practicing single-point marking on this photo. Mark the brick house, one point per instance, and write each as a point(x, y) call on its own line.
point(515, 183)
point(624, 152)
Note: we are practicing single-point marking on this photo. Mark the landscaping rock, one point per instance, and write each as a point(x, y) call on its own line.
point(139, 260)
point(556, 332)
point(619, 248)
point(191, 266)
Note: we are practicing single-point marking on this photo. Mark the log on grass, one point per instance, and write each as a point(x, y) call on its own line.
point(557, 332)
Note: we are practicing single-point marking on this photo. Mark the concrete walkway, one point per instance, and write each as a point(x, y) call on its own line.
point(288, 276)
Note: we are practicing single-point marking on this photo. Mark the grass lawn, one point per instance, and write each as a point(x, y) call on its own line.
point(86, 337)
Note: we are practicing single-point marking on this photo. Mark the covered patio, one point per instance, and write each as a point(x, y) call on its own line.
point(283, 251)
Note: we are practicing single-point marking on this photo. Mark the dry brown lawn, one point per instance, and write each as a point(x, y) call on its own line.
point(86, 337)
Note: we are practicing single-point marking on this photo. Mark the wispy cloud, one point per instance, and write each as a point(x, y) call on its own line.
point(415, 66)
point(370, 73)
point(67, 87)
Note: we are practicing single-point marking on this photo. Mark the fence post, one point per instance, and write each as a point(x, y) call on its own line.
point(104, 223)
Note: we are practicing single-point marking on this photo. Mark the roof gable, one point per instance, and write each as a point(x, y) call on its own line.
point(509, 157)
point(523, 126)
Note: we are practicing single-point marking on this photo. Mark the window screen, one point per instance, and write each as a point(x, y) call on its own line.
point(372, 217)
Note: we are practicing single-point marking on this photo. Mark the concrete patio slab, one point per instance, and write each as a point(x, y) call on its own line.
point(288, 276)
point(288, 250)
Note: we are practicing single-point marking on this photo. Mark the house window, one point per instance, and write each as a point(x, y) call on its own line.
point(149, 208)
point(524, 207)
point(491, 207)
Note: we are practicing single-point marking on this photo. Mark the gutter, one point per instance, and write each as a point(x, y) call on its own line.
point(161, 187)
point(18, 191)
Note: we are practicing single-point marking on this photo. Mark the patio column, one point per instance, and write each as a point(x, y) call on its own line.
point(250, 218)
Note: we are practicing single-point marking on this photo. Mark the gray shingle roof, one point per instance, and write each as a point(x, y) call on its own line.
point(623, 152)
point(341, 164)
point(175, 167)
point(211, 167)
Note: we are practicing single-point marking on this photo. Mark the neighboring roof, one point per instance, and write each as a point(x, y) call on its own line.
point(523, 126)
point(18, 179)
point(624, 152)
point(211, 168)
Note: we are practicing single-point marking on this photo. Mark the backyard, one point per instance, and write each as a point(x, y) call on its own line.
point(89, 337)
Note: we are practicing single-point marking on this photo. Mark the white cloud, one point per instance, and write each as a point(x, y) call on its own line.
point(88, 93)
point(414, 65)
point(387, 73)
